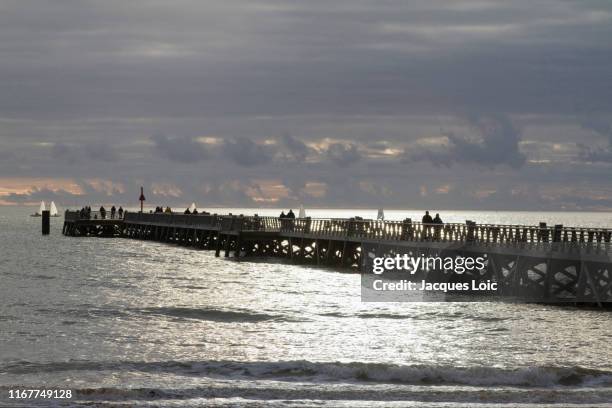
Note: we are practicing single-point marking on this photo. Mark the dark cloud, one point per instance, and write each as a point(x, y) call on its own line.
point(496, 143)
point(180, 149)
point(85, 84)
point(247, 153)
point(343, 154)
point(85, 151)
point(598, 125)
point(601, 127)
point(297, 149)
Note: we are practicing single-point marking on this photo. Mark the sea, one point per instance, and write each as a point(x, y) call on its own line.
point(119, 322)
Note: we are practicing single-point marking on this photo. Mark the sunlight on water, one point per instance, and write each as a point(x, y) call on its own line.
point(87, 313)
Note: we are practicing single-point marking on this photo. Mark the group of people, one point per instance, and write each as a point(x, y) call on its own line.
point(85, 212)
point(113, 212)
point(290, 215)
point(159, 210)
point(195, 211)
point(168, 210)
point(429, 222)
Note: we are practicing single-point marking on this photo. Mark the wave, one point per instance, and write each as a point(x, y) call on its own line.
point(543, 376)
point(418, 316)
point(349, 395)
point(177, 313)
point(210, 314)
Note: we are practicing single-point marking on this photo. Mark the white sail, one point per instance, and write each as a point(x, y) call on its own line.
point(381, 214)
point(53, 209)
point(192, 207)
point(302, 212)
point(42, 207)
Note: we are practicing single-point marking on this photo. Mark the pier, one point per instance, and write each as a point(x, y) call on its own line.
point(551, 263)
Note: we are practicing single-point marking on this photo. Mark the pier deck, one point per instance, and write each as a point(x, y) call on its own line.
point(557, 262)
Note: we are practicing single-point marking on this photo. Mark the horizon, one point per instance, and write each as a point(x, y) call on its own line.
point(183, 206)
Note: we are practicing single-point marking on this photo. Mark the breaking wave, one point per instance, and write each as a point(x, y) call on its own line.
point(345, 372)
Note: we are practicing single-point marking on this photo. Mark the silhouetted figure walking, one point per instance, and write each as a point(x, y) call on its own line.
point(102, 212)
point(120, 212)
point(113, 212)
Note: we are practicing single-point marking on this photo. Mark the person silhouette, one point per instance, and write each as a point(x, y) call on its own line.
point(438, 226)
point(427, 221)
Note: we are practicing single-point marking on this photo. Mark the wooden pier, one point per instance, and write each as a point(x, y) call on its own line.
point(548, 263)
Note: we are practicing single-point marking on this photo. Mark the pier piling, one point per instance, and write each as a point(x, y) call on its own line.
point(46, 222)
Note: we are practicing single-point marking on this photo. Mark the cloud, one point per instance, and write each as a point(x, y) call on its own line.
point(598, 125)
point(84, 152)
point(343, 154)
point(244, 152)
point(180, 149)
point(496, 143)
point(85, 86)
point(603, 128)
point(101, 151)
point(297, 149)
point(40, 194)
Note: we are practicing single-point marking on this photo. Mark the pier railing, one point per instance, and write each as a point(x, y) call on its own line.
point(92, 215)
point(354, 228)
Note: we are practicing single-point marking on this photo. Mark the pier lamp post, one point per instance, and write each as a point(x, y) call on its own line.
point(142, 199)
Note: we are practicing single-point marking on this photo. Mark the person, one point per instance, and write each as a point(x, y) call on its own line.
point(282, 215)
point(438, 226)
point(187, 211)
point(120, 212)
point(427, 221)
point(168, 210)
point(102, 212)
point(113, 212)
point(195, 211)
point(290, 214)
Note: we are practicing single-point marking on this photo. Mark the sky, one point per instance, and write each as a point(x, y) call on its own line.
point(464, 104)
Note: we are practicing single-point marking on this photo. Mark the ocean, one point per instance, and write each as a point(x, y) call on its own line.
point(123, 322)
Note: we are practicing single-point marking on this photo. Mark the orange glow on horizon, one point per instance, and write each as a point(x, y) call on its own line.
point(28, 185)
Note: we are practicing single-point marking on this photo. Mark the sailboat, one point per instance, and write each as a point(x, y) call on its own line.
point(53, 210)
point(40, 210)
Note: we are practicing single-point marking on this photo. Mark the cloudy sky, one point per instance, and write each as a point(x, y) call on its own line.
point(330, 103)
